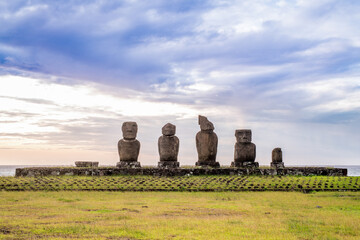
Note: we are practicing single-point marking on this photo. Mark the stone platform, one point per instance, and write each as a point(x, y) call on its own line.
point(154, 171)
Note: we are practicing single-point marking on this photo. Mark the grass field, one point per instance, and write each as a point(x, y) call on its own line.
point(179, 215)
point(194, 207)
point(191, 183)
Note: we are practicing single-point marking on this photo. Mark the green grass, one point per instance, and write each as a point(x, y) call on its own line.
point(179, 215)
point(185, 183)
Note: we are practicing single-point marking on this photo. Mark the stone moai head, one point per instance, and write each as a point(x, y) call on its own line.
point(129, 130)
point(205, 124)
point(276, 155)
point(169, 129)
point(243, 135)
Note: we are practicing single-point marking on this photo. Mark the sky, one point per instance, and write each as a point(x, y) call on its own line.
point(71, 72)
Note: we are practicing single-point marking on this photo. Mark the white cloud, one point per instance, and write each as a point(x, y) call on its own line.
point(324, 49)
point(244, 64)
point(30, 102)
point(336, 94)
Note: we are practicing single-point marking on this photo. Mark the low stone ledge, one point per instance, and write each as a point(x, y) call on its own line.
point(153, 171)
point(86, 164)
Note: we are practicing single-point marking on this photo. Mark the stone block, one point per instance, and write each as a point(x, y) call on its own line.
point(277, 165)
point(208, 164)
point(168, 164)
point(123, 164)
point(86, 164)
point(245, 164)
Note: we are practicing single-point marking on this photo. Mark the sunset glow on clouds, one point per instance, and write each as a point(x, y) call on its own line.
point(71, 72)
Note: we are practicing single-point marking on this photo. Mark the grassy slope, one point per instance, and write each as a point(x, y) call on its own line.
point(175, 215)
point(192, 183)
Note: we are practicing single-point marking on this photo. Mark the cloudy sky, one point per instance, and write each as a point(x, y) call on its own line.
point(71, 72)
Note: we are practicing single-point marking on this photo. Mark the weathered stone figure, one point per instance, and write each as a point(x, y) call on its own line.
point(168, 146)
point(276, 156)
point(129, 147)
point(206, 144)
point(245, 150)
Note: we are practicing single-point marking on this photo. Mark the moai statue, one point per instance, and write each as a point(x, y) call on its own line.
point(168, 145)
point(206, 144)
point(276, 156)
point(245, 150)
point(129, 147)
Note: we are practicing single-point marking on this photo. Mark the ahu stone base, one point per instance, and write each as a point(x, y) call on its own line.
point(195, 171)
point(245, 164)
point(208, 164)
point(277, 165)
point(168, 164)
point(123, 164)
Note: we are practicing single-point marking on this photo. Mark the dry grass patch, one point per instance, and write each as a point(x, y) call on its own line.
point(179, 215)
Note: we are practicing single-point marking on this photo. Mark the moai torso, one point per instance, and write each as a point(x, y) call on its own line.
point(245, 150)
point(129, 147)
point(206, 145)
point(128, 150)
point(168, 144)
point(276, 155)
point(206, 141)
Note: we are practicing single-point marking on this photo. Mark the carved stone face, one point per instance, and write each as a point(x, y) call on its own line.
point(243, 135)
point(205, 124)
point(277, 150)
point(169, 129)
point(129, 130)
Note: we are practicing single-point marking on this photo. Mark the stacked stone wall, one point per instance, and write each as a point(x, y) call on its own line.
point(154, 171)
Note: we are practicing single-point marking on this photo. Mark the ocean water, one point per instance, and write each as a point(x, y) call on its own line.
point(353, 170)
point(9, 170)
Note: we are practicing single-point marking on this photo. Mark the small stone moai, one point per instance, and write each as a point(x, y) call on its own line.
point(168, 145)
point(129, 147)
point(206, 144)
point(276, 156)
point(245, 150)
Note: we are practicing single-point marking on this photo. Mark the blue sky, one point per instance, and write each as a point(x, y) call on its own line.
point(72, 71)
